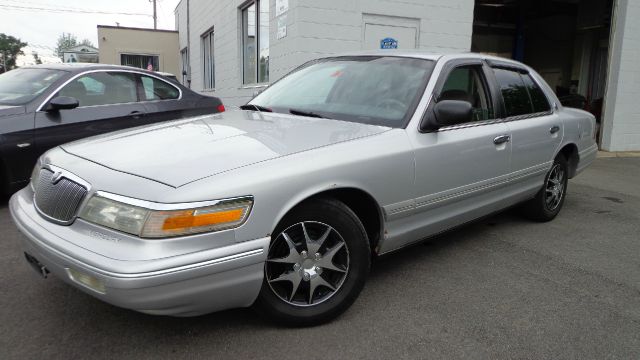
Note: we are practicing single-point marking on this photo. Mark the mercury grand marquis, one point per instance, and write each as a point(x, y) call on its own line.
point(283, 203)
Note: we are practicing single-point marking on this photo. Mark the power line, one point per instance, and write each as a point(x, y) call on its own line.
point(69, 10)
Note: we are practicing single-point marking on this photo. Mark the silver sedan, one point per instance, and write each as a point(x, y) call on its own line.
point(283, 204)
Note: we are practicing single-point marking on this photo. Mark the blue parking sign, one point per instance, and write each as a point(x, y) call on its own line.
point(388, 43)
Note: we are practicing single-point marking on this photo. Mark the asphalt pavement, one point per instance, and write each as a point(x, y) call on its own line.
point(502, 287)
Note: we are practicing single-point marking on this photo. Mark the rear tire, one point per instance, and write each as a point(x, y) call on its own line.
point(317, 264)
point(549, 200)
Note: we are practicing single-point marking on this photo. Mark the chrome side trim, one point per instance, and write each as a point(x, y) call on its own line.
point(48, 98)
point(430, 201)
point(169, 206)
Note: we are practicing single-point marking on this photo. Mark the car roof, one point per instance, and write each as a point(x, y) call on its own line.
point(79, 67)
point(422, 54)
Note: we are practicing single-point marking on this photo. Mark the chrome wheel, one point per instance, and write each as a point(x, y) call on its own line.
point(307, 263)
point(554, 188)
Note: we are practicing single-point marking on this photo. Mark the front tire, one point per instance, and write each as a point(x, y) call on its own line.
point(317, 264)
point(549, 200)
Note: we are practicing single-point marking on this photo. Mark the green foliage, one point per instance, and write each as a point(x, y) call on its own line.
point(10, 48)
point(86, 42)
point(36, 58)
point(65, 41)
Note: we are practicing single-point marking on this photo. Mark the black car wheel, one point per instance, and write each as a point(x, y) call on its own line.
point(317, 264)
point(549, 200)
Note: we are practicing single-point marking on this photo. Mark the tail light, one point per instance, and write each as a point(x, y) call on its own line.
point(221, 108)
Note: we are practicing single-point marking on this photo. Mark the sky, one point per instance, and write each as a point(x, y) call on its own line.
point(40, 22)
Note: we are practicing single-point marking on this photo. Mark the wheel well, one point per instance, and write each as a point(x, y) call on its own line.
point(570, 152)
point(363, 205)
point(4, 179)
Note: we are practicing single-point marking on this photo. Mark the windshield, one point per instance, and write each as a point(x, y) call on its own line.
point(378, 90)
point(20, 86)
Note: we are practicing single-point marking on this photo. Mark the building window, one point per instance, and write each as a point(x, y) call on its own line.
point(147, 62)
point(208, 70)
point(255, 42)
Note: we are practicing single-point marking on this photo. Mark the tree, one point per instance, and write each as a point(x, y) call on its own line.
point(86, 42)
point(10, 48)
point(65, 41)
point(36, 58)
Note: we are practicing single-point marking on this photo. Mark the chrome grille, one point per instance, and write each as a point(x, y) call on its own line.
point(59, 200)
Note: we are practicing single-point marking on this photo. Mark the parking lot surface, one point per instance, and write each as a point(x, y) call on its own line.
point(502, 287)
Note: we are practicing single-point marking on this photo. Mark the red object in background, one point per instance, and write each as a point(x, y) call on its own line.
point(221, 108)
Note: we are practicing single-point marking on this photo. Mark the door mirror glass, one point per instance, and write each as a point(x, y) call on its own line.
point(63, 103)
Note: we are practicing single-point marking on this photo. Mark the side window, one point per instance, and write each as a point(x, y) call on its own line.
point(102, 88)
point(155, 89)
point(514, 92)
point(466, 83)
point(538, 98)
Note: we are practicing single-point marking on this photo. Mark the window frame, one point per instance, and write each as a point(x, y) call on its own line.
point(135, 83)
point(497, 64)
point(241, 9)
point(133, 54)
point(487, 80)
point(208, 83)
point(142, 91)
point(55, 93)
point(495, 92)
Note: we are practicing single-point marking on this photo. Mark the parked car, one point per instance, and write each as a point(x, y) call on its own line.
point(44, 106)
point(168, 76)
point(283, 204)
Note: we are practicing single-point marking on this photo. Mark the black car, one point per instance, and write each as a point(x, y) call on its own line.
point(47, 105)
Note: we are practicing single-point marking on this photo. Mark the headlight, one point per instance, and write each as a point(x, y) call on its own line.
point(151, 223)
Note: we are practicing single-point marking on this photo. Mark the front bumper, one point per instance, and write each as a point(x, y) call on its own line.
point(230, 277)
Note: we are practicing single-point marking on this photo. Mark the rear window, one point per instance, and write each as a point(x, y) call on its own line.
point(514, 92)
point(522, 96)
point(538, 98)
point(155, 89)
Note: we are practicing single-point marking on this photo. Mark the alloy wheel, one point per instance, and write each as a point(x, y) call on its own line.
point(554, 188)
point(307, 263)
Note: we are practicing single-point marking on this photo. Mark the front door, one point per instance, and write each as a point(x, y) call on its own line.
point(459, 168)
point(108, 101)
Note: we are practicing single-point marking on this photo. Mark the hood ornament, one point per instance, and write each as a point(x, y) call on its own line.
point(56, 177)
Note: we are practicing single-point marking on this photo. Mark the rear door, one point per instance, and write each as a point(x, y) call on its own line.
point(108, 101)
point(536, 130)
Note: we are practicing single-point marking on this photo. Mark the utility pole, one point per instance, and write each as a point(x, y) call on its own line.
point(155, 16)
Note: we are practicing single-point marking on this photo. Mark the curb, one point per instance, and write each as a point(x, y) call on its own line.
point(617, 154)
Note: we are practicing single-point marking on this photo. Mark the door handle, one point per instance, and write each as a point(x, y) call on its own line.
point(554, 129)
point(136, 114)
point(501, 139)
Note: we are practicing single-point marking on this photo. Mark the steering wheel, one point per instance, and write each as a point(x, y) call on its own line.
point(390, 103)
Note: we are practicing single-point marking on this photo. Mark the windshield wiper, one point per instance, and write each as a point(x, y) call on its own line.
point(255, 107)
point(305, 113)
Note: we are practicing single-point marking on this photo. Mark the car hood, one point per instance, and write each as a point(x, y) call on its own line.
point(6, 110)
point(183, 151)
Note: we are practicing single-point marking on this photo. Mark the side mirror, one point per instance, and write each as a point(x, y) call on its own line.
point(62, 103)
point(447, 112)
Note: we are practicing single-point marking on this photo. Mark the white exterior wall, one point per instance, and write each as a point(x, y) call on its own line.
point(621, 123)
point(314, 28)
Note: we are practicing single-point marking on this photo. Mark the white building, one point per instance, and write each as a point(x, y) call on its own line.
point(80, 53)
point(585, 49)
